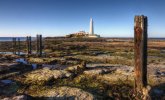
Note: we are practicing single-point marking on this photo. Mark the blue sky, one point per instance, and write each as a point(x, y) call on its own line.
point(112, 18)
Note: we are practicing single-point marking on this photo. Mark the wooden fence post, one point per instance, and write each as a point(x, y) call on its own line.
point(29, 46)
point(39, 45)
point(19, 48)
point(14, 45)
point(140, 46)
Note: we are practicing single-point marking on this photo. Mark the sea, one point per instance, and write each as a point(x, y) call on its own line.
point(33, 38)
point(11, 38)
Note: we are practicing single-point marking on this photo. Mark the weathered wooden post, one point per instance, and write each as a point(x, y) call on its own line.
point(19, 48)
point(37, 38)
point(39, 45)
point(140, 46)
point(27, 43)
point(29, 47)
point(14, 45)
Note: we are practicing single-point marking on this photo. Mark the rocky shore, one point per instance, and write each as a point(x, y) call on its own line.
point(85, 71)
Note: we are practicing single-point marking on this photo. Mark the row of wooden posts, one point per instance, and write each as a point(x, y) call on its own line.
point(140, 47)
point(17, 47)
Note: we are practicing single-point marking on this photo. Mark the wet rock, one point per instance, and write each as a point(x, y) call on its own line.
point(6, 82)
point(61, 74)
point(19, 97)
point(34, 66)
point(45, 75)
point(65, 93)
point(97, 71)
point(39, 77)
point(21, 60)
point(36, 60)
point(6, 66)
point(10, 56)
point(10, 69)
point(45, 60)
point(70, 62)
point(54, 67)
point(77, 68)
point(111, 73)
point(120, 74)
point(158, 92)
point(156, 74)
point(160, 73)
point(125, 70)
point(117, 78)
point(8, 87)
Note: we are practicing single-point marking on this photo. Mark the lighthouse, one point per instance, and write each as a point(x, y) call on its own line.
point(91, 29)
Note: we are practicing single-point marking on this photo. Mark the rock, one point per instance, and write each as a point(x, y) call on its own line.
point(36, 60)
point(8, 87)
point(34, 66)
point(125, 70)
point(4, 66)
point(156, 74)
point(65, 93)
point(77, 68)
point(61, 74)
point(97, 71)
point(6, 82)
point(39, 77)
point(116, 78)
point(8, 69)
point(54, 67)
point(21, 60)
point(10, 56)
point(42, 76)
point(45, 60)
point(19, 97)
point(157, 91)
point(160, 73)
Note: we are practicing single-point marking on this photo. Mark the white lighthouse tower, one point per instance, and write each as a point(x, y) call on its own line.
point(91, 29)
